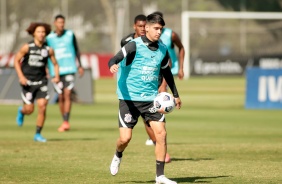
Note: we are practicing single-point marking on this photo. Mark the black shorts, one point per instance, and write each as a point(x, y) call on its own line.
point(129, 112)
point(66, 81)
point(35, 90)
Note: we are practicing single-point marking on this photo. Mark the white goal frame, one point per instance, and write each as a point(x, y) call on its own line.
point(187, 15)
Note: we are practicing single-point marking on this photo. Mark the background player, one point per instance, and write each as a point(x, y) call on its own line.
point(64, 43)
point(138, 64)
point(30, 64)
point(139, 29)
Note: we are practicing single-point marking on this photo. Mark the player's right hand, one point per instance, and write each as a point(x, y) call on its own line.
point(23, 81)
point(114, 68)
point(180, 74)
point(56, 80)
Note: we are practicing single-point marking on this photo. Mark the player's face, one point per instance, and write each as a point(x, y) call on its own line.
point(60, 24)
point(39, 33)
point(139, 28)
point(153, 31)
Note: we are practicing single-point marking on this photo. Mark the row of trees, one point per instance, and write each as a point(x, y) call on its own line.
point(99, 24)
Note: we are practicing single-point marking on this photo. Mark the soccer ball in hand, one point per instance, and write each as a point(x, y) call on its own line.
point(164, 103)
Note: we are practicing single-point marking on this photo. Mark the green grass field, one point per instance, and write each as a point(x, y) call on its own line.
point(212, 139)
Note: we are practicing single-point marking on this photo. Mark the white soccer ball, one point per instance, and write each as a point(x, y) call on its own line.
point(164, 103)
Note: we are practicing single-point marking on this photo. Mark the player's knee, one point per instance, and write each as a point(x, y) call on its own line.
point(42, 107)
point(125, 140)
point(161, 134)
point(28, 110)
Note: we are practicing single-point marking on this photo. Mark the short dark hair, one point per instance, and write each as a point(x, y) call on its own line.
point(60, 16)
point(155, 19)
point(159, 13)
point(140, 17)
point(34, 25)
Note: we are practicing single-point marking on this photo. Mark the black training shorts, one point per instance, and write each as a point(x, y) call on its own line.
point(129, 112)
point(34, 90)
point(66, 81)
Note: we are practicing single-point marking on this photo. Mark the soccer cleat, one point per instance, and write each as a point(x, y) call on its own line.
point(167, 158)
point(115, 165)
point(20, 117)
point(39, 138)
point(64, 127)
point(149, 142)
point(164, 180)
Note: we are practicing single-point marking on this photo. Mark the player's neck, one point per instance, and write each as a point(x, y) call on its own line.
point(150, 39)
point(59, 32)
point(38, 43)
point(136, 35)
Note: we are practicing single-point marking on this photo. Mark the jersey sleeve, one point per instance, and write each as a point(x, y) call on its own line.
point(166, 72)
point(128, 51)
point(123, 42)
point(165, 61)
point(77, 53)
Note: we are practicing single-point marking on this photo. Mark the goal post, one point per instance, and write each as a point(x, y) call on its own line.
point(187, 15)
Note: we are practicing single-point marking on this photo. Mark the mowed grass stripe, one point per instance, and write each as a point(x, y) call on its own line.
point(212, 139)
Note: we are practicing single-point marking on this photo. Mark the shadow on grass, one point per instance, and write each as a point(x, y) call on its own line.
point(72, 139)
point(196, 179)
point(190, 159)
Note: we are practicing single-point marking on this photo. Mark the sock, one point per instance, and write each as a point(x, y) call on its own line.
point(160, 168)
point(38, 129)
point(66, 116)
point(118, 154)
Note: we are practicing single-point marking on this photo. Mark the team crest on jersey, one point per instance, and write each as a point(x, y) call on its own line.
point(44, 53)
point(127, 118)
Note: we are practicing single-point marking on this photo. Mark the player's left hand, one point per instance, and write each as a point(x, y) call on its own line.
point(180, 74)
point(80, 71)
point(178, 103)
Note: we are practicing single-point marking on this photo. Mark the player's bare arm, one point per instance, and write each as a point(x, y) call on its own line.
point(22, 52)
point(56, 79)
point(176, 40)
